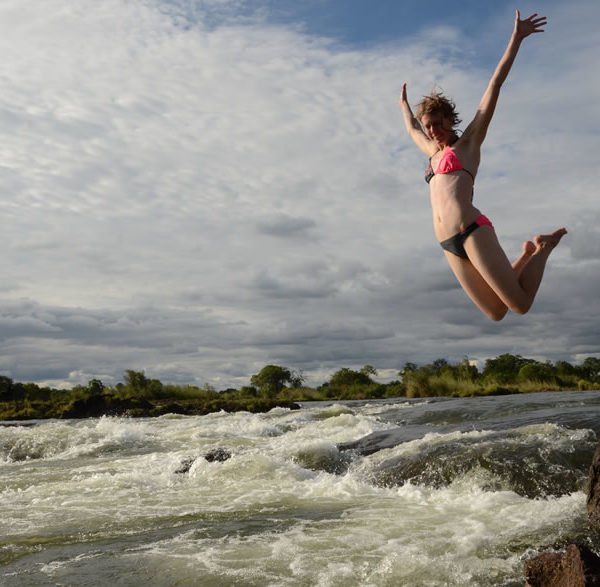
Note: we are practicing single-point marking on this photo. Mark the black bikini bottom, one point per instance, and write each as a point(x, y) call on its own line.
point(455, 244)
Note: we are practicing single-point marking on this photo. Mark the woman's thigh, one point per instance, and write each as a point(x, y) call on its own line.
point(490, 261)
point(482, 295)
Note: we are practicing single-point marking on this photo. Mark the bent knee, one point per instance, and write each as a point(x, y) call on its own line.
point(520, 308)
point(497, 314)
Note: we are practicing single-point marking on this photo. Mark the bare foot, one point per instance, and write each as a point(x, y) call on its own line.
point(549, 241)
point(528, 249)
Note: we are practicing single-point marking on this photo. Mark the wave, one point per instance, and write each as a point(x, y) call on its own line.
point(70, 439)
point(534, 461)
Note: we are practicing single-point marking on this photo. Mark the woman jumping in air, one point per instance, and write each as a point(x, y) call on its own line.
point(465, 234)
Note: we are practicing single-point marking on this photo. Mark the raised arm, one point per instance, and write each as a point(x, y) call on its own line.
point(414, 128)
point(523, 28)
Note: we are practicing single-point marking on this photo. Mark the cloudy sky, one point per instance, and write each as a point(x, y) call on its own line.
point(197, 188)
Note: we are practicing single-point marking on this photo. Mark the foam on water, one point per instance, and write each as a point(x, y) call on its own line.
point(411, 536)
point(60, 440)
point(288, 507)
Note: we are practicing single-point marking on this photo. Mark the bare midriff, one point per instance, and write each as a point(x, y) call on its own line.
point(452, 203)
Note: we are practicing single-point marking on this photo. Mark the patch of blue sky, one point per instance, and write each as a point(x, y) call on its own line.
point(362, 24)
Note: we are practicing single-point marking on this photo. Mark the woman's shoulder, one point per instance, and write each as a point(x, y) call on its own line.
point(468, 152)
point(467, 143)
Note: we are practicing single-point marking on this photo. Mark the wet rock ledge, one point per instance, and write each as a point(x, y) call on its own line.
point(578, 566)
point(593, 498)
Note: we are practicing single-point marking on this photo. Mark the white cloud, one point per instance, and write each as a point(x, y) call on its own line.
point(191, 190)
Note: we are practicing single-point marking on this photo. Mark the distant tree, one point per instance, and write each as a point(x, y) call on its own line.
point(408, 368)
point(95, 386)
point(346, 376)
point(543, 372)
point(32, 391)
point(564, 368)
point(6, 388)
point(591, 368)
point(464, 370)
point(138, 384)
point(79, 392)
point(438, 365)
point(505, 368)
point(136, 380)
point(271, 379)
point(229, 390)
point(297, 379)
point(417, 382)
point(249, 390)
point(369, 370)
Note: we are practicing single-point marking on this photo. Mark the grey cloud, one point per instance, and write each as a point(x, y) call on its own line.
point(285, 226)
point(197, 200)
point(11, 325)
point(293, 287)
point(322, 333)
point(585, 237)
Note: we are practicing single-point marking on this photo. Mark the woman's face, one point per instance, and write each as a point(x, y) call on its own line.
point(438, 127)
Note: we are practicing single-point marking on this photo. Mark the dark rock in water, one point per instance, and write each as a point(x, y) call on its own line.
point(319, 459)
point(532, 471)
point(577, 567)
point(170, 408)
point(593, 497)
point(186, 465)
point(217, 454)
point(376, 441)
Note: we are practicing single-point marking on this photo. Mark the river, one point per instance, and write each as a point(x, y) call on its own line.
point(455, 491)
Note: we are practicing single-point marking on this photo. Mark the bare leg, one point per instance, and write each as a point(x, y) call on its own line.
point(531, 275)
point(528, 250)
point(492, 282)
point(484, 297)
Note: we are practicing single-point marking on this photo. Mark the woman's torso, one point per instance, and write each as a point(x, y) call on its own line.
point(452, 193)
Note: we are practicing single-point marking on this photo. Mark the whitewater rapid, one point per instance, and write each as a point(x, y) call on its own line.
point(397, 492)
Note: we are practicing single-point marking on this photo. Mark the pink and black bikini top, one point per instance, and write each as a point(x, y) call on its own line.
point(449, 162)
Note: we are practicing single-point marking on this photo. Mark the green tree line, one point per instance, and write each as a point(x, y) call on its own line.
point(274, 385)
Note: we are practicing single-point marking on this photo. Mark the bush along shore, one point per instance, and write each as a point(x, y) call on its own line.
point(277, 386)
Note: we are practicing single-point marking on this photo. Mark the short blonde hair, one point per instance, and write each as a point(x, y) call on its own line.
point(437, 102)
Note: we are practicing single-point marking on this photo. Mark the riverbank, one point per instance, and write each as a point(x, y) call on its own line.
point(105, 405)
point(277, 386)
point(75, 405)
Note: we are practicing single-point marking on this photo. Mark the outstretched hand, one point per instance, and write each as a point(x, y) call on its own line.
point(527, 26)
point(403, 98)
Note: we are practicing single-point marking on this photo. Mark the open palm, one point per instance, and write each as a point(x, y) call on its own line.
point(529, 25)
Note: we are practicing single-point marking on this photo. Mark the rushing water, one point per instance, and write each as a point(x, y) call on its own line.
point(397, 492)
